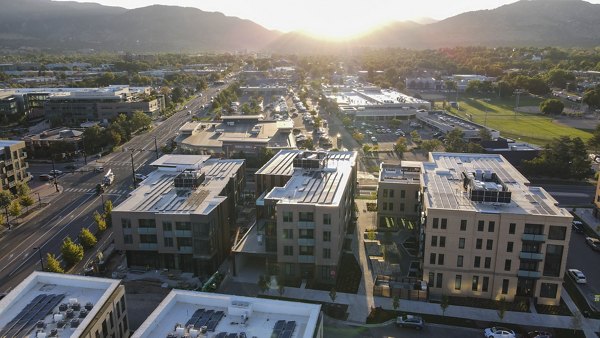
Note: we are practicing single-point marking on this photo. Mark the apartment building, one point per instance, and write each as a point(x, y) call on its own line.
point(58, 305)
point(8, 106)
point(181, 215)
point(12, 164)
point(486, 232)
point(305, 202)
point(398, 191)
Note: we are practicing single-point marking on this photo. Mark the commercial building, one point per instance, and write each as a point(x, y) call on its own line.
point(462, 80)
point(180, 216)
point(398, 190)
point(305, 203)
point(445, 123)
point(8, 106)
point(486, 232)
point(427, 83)
point(59, 305)
point(199, 314)
point(54, 142)
point(13, 167)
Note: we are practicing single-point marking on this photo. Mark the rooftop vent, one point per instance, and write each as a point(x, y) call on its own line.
point(485, 186)
point(189, 179)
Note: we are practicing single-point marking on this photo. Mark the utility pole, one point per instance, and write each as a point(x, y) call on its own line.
point(39, 198)
point(133, 171)
point(54, 175)
point(39, 250)
point(155, 147)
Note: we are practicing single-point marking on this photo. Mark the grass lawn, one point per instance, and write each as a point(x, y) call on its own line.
point(533, 128)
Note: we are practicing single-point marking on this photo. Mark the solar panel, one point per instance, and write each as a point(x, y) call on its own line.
point(279, 325)
point(286, 334)
point(290, 326)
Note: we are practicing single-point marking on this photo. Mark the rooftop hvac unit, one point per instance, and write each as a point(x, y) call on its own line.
point(74, 300)
point(58, 317)
point(41, 334)
point(179, 331)
point(194, 333)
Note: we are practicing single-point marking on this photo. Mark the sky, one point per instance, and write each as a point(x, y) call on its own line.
point(335, 19)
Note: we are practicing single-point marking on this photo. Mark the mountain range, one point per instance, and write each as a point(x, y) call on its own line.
point(72, 25)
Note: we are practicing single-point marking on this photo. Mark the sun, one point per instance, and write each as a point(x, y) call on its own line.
point(338, 30)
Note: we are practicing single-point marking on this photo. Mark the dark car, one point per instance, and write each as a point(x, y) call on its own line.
point(70, 166)
point(539, 334)
point(45, 177)
point(414, 322)
point(577, 226)
point(593, 242)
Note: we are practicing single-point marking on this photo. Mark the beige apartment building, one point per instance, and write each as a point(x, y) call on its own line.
point(486, 232)
point(398, 190)
point(12, 164)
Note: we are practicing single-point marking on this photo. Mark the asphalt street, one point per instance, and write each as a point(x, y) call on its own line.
point(582, 257)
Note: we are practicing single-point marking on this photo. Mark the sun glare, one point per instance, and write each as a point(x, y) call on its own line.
point(339, 30)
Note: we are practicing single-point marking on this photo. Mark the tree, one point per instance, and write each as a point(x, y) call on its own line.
point(431, 145)
point(396, 302)
point(22, 189)
point(591, 97)
point(444, 304)
point(594, 141)
point(309, 144)
point(87, 238)
point(485, 135)
point(5, 200)
point(416, 138)
point(100, 221)
point(563, 158)
point(71, 252)
point(139, 120)
point(371, 235)
point(558, 78)
point(318, 122)
point(15, 208)
point(401, 146)
point(366, 148)
point(26, 201)
point(358, 136)
point(395, 123)
point(178, 95)
point(501, 308)
point(108, 207)
point(455, 142)
point(552, 107)
point(346, 121)
point(263, 285)
point(53, 264)
point(332, 294)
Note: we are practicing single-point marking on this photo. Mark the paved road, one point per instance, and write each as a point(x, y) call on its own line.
point(335, 330)
point(571, 194)
point(582, 257)
point(73, 208)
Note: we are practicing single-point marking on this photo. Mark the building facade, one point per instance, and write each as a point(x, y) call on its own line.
point(398, 190)
point(13, 165)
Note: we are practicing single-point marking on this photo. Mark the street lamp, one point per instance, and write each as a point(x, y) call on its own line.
point(39, 198)
point(339, 141)
point(39, 250)
point(155, 147)
point(54, 175)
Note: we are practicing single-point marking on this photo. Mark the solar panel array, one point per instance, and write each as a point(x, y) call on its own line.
point(284, 329)
point(208, 318)
point(36, 310)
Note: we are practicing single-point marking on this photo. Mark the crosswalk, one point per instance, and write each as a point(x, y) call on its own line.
point(93, 191)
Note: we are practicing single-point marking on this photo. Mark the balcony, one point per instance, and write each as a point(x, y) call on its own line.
point(168, 233)
point(148, 246)
point(534, 256)
point(183, 233)
point(306, 225)
point(306, 241)
point(306, 259)
point(534, 237)
point(529, 274)
point(185, 249)
point(146, 231)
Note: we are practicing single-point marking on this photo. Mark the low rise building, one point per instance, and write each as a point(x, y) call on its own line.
point(54, 142)
point(8, 107)
point(198, 314)
point(13, 165)
point(59, 305)
point(445, 123)
point(398, 190)
point(181, 215)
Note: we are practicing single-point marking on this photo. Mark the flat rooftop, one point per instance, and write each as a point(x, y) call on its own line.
point(407, 172)
point(8, 143)
point(256, 317)
point(367, 96)
point(44, 292)
point(443, 179)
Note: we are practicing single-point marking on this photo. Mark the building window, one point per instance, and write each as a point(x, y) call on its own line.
point(168, 242)
point(385, 206)
point(509, 247)
point(431, 279)
point(461, 243)
point(444, 223)
point(433, 240)
point(439, 280)
point(326, 253)
point(533, 229)
point(507, 264)
point(288, 233)
point(401, 206)
point(148, 239)
point(491, 226)
point(288, 269)
point(167, 226)
point(306, 217)
point(504, 286)
point(326, 236)
point(288, 250)
point(477, 262)
point(288, 216)
point(125, 223)
point(327, 219)
point(480, 225)
point(511, 228)
point(402, 193)
point(385, 193)
point(147, 223)
point(391, 193)
point(307, 250)
point(548, 290)
point(478, 243)
point(183, 226)
point(475, 284)
point(391, 206)
point(458, 282)
point(436, 222)
point(459, 261)
point(487, 263)
point(442, 241)
point(557, 232)
point(463, 225)
point(128, 239)
point(306, 234)
point(552, 263)
point(441, 259)
point(432, 258)
point(489, 244)
point(484, 284)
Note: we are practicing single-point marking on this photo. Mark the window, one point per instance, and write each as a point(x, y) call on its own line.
point(458, 282)
point(306, 234)
point(504, 286)
point(147, 223)
point(401, 206)
point(442, 241)
point(385, 193)
point(327, 219)
point(384, 205)
point(491, 226)
point(444, 223)
point(478, 243)
point(459, 261)
point(432, 258)
point(557, 232)
point(128, 239)
point(548, 290)
point(149, 239)
point(475, 284)
point(306, 217)
point(288, 233)
point(431, 279)
point(489, 244)
point(533, 229)
point(326, 253)
point(507, 264)
point(441, 259)
point(104, 328)
point(461, 243)
point(112, 322)
point(487, 263)
point(433, 240)
point(125, 223)
point(391, 206)
point(436, 222)
point(168, 242)
point(463, 225)
point(477, 262)
point(288, 216)
point(511, 228)
point(402, 194)
point(484, 284)
point(122, 304)
point(326, 236)
point(183, 225)
point(439, 281)
point(391, 193)
point(480, 225)
point(288, 250)
point(509, 247)
point(307, 250)
point(552, 263)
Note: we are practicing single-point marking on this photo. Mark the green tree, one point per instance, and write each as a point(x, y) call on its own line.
point(444, 304)
point(5, 200)
point(15, 209)
point(358, 136)
point(594, 142)
point(100, 221)
point(263, 284)
point(563, 158)
point(139, 120)
point(501, 308)
point(309, 144)
point(53, 264)
point(87, 238)
point(552, 107)
point(400, 147)
point(332, 294)
point(108, 207)
point(416, 138)
point(366, 148)
point(178, 95)
point(395, 123)
point(346, 121)
point(22, 189)
point(71, 252)
point(396, 302)
point(485, 135)
point(26, 201)
point(591, 97)
point(371, 235)
point(558, 78)
point(455, 142)
point(431, 145)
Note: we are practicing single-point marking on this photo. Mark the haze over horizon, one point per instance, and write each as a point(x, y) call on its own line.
point(336, 19)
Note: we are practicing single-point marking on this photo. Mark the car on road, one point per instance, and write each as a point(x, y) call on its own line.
point(577, 226)
point(70, 166)
point(399, 133)
point(539, 334)
point(98, 169)
point(578, 276)
point(373, 139)
point(46, 177)
point(414, 322)
point(55, 172)
point(593, 242)
point(498, 332)
point(140, 177)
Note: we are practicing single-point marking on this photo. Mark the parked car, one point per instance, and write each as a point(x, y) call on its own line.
point(373, 139)
point(140, 177)
point(46, 177)
point(577, 226)
point(414, 322)
point(98, 169)
point(593, 242)
point(55, 172)
point(539, 334)
point(70, 166)
point(578, 276)
point(498, 332)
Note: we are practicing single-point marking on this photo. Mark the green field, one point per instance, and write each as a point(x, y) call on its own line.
point(500, 115)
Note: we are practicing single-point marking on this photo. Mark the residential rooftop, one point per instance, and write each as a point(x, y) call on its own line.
point(8, 143)
point(485, 183)
point(53, 290)
point(185, 312)
point(407, 172)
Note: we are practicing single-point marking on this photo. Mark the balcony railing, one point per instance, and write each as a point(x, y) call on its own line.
point(531, 255)
point(148, 246)
point(306, 241)
point(534, 237)
point(183, 233)
point(529, 274)
point(146, 231)
point(306, 259)
point(185, 249)
point(306, 225)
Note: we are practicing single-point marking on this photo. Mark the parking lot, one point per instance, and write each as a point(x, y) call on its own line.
point(582, 257)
